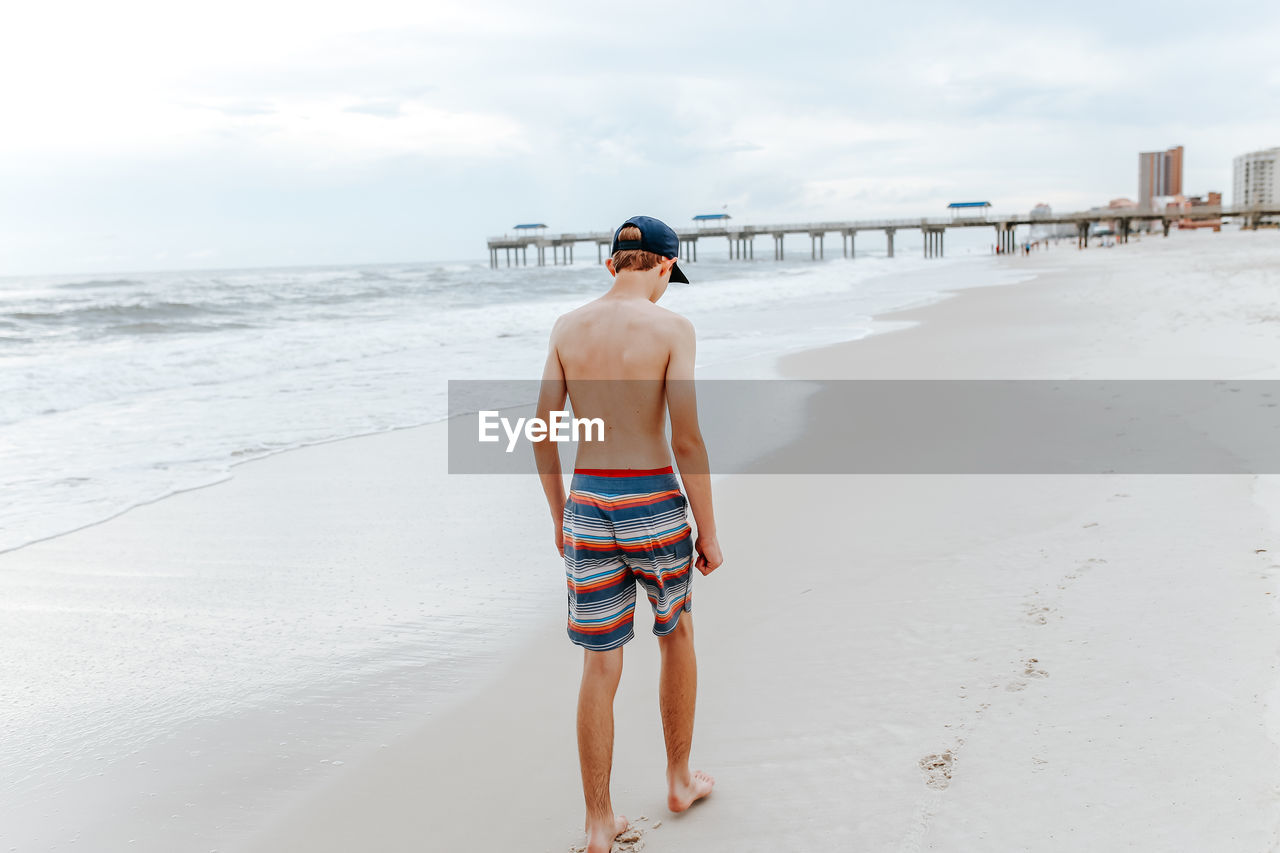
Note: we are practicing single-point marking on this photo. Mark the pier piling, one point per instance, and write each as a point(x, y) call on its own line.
point(1006, 237)
point(933, 232)
point(933, 242)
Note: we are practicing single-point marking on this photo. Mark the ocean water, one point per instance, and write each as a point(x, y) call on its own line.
point(127, 707)
point(118, 390)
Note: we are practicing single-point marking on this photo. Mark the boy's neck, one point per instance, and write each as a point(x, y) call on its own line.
point(633, 284)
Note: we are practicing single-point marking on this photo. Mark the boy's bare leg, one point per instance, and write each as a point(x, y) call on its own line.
point(677, 693)
point(601, 672)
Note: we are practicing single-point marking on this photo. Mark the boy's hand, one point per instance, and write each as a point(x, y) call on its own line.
point(709, 556)
point(559, 534)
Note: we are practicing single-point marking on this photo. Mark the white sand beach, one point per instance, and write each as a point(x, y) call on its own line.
point(893, 663)
point(929, 663)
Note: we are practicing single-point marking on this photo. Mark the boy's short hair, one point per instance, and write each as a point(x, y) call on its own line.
point(634, 259)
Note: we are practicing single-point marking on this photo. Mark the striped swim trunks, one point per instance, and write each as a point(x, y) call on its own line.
point(623, 526)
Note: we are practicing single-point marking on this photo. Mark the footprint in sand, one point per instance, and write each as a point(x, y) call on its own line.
point(1038, 614)
point(1084, 567)
point(1016, 685)
point(937, 770)
point(1031, 671)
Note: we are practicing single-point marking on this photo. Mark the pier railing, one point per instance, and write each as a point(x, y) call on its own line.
point(742, 237)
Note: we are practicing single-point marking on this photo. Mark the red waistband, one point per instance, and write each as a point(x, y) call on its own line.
point(623, 472)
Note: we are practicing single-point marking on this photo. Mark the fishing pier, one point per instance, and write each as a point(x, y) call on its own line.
point(742, 238)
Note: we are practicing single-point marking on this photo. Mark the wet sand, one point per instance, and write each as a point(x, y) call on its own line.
point(925, 662)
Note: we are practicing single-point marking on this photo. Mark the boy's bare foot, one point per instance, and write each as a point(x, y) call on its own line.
point(600, 836)
point(684, 792)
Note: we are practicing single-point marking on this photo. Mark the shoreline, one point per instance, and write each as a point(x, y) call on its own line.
point(186, 529)
point(419, 779)
point(729, 365)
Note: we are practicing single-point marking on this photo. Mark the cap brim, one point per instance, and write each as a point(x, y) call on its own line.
point(677, 274)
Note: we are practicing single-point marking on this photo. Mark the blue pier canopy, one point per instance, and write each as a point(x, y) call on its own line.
point(527, 225)
point(959, 205)
point(711, 217)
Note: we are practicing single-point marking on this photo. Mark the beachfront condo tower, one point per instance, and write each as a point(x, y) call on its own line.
point(1159, 174)
point(1255, 179)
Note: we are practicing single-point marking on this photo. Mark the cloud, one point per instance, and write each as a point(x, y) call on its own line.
point(240, 109)
point(327, 132)
point(398, 130)
point(382, 109)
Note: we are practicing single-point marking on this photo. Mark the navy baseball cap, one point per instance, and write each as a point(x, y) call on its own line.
point(655, 236)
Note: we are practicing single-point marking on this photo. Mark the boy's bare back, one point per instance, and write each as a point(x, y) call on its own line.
point(616, 355)
point(628, 363)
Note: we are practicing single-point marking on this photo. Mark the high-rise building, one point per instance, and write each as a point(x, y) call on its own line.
point(1255, 178)
point(1159, 174)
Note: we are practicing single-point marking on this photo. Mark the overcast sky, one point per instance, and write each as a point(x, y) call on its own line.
point(173, 135)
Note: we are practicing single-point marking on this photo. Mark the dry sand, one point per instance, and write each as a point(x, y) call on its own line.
point(897, 663)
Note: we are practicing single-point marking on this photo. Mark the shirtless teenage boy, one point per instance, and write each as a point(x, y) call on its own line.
point(624, 360)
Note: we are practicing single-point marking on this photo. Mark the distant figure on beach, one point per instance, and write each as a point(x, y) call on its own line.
point(624, 360)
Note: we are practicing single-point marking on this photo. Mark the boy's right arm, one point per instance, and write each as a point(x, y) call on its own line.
point(688, 448)
point(551, 396)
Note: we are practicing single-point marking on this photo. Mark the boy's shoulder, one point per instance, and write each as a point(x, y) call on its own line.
point(670, 320)
point(679, 319)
